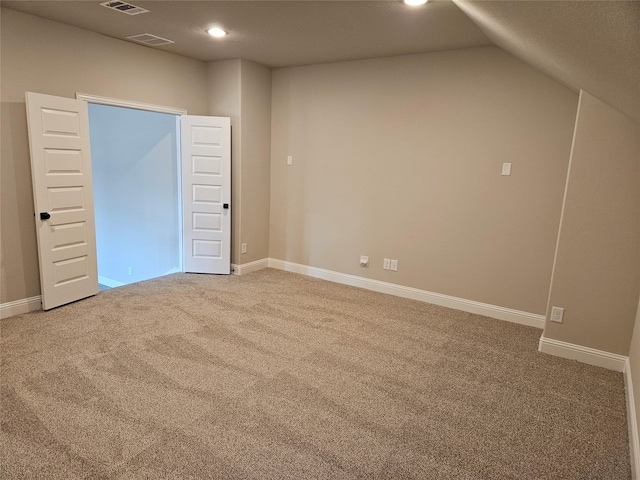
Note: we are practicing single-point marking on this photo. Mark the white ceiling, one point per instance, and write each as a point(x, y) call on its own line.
point(586, 44)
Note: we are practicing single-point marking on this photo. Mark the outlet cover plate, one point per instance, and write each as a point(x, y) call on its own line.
point(556, 314)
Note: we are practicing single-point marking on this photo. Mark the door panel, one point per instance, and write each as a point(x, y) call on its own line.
point(62, 188)
point(206, 189)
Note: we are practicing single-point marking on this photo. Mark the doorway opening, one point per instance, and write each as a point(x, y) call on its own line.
point(137, 194)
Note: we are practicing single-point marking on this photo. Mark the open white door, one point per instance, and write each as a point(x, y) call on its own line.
point(206, 193)
point(63, 198)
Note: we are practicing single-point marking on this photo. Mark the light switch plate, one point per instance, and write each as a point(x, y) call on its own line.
point(506, 169)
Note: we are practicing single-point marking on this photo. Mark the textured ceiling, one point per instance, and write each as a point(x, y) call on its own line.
point(588, 44)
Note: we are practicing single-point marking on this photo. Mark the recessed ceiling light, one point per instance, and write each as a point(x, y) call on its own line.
point(415, 2)
point(217, 32)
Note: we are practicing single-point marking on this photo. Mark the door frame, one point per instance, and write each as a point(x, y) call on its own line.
point(117, 102)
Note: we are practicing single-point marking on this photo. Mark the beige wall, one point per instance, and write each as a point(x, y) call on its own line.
point(401, 158)
point(596, 276)
point(256, 160)
point(48, 57)
point(242, 90)
point(223, 80)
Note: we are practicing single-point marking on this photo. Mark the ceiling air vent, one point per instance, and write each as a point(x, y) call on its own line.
point(151, 40)
point(124, 7)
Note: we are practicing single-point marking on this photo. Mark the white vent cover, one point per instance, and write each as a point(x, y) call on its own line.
point(151, 40)
point(124, 7)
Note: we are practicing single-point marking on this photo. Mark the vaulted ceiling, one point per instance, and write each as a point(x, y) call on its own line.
point(590, 45)
point(593, 45)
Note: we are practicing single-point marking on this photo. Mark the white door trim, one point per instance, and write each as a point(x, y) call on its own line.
point(116, 102)
point(179, 112)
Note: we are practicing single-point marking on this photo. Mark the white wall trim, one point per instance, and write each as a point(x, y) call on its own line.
point(493, 311)
point(109, 282)
point(245, 268)
point(591, 356)
point(632, 420)
point(115, 102)
point(19, 307)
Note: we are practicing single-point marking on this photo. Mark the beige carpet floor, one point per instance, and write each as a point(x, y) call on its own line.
point(276, 375)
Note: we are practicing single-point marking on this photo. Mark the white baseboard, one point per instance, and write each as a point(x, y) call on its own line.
point(493, 311)
point(109, 282)
point(19, 307)
point(591, 356)
point(632, 420)
point(250, 267)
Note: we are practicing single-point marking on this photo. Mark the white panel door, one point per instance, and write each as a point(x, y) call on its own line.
point(206, 193)
point(63, 198)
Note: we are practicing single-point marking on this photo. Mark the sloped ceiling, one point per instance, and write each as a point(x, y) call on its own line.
point(590, 45)
point(584, 44)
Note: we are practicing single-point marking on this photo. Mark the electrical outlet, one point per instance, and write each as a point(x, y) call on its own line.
point(130, 270)
point(244, 248)
point(506, 169)
point(394, 265)
point(556, 314)
point(386, 264)
point(289, 160)
point(364, 261)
